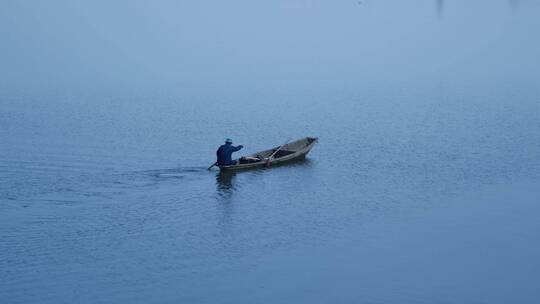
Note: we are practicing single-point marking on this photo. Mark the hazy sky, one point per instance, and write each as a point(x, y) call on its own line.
point(200, 44)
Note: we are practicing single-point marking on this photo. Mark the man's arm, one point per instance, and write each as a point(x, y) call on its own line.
point(237, 148)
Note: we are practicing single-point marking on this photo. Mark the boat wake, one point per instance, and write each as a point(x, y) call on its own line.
point(174, 173)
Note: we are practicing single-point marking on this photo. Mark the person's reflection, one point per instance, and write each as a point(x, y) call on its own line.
point(225, 189)
point(224, 183)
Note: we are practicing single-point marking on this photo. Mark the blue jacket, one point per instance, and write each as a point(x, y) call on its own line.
point(224, 154)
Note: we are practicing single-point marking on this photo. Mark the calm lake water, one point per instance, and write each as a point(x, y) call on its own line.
point(422, 189)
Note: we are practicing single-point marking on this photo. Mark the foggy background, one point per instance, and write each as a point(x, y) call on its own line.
point(200, 46)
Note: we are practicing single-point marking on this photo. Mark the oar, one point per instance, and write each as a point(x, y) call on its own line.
point(212, 165)
point(272, 155)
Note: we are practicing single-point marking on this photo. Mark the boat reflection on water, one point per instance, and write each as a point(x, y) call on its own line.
point(225, 180)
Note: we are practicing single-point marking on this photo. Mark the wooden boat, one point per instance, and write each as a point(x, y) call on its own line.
point(291, 151)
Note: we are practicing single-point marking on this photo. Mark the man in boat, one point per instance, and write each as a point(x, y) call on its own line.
point(224, 153)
